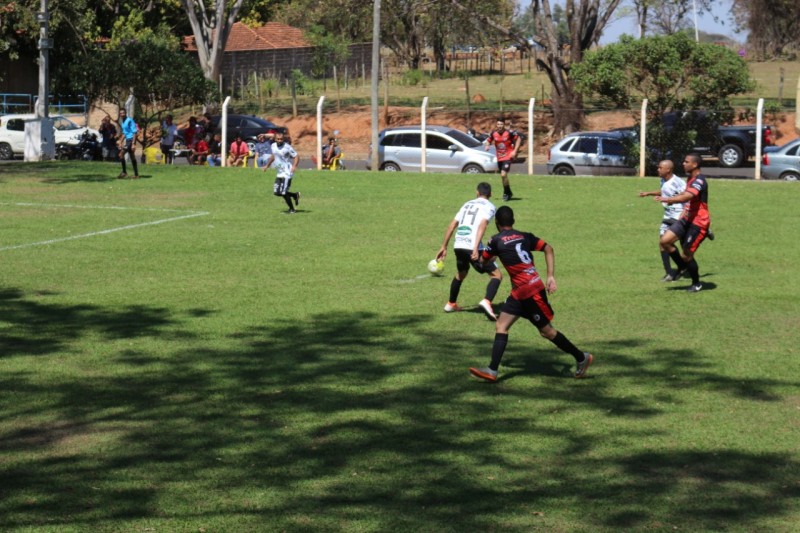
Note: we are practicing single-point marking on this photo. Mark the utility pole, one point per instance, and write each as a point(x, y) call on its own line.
point(376, 66)
point(39, 133)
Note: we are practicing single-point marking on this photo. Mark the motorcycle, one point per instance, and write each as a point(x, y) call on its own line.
point(87, 149)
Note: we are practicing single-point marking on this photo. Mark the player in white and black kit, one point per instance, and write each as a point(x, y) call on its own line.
point(286, 160)
point(671, 185)
point(469, 226)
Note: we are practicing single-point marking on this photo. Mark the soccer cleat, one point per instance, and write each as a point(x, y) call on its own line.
point(484, 373)
point(451, 307)
point(584, 365)
point(486, 305)
point(668, 278)
point(506, 197)
point(297, 199)
point(678, 274)
point(122, 175)
point(696, 287)
point(290, 212)
point(710, 235)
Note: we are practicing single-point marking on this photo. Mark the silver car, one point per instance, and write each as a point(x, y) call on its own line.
point(12, 133)
point(590, 153)
point(781, 162)
point(447, 150)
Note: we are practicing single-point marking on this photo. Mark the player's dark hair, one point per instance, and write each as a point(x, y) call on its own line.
point(504, 216)
point(697, 158)
point(484, 189)
point(501, 119)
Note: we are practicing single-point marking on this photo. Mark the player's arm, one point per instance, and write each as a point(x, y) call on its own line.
point(685, 196)
point(642, 194)
point(550, 261)
point(440, 255)
point(479, 238)
point(295, 162)
point(517, 144)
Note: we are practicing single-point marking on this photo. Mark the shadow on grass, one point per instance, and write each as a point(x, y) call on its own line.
point(342, 420)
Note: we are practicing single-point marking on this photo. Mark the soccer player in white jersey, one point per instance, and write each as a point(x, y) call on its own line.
point(469, 226)
point(286, 160)
point(671, 185)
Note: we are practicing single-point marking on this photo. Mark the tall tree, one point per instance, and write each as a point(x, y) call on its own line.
point(586, 21)
point(211, 27)
point(772, 25)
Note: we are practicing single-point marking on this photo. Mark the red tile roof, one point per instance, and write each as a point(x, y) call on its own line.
point(270, 36)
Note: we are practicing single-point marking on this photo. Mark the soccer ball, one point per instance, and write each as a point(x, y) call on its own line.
point(436, 267)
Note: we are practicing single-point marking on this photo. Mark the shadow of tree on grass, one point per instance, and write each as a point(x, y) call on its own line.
point(341, 421)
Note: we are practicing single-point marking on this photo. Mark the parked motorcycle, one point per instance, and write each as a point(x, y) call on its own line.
point(87, 149)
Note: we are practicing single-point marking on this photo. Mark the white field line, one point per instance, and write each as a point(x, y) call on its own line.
point(105, 231)
point(412, 280)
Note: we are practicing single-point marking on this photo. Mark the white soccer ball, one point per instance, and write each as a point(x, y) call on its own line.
point(436, 267)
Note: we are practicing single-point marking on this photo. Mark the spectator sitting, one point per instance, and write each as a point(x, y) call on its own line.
point(215, 151)
point(238, 152)
point(330, 153)
point(199, 152)
point(263, 149)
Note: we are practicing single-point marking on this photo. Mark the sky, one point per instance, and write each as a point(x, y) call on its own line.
point(705, 22)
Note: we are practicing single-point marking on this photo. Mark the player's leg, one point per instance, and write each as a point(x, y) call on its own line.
point(669, 274)
point(503, 325)
point(582, 359)
point(462, 270)
point(507, 194)
point(495, 278)
point(131, 148)
point(694, 236)
point(667, 242)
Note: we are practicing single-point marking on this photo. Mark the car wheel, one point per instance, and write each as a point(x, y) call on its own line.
point(731, 156)
point(563, 170)
point(390, 167)
point(5, 151)
point(790, 176)
point(472, 168)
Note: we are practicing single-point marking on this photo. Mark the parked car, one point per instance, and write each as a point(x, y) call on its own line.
point(592, 153)
point(12, 133)
point(249, 127)
point(447, 150)
point(781, 162)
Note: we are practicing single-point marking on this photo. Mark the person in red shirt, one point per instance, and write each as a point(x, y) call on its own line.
point(199, 152)
point(238, 152)
point(506, 144)
point(528, 298)
point(693, 225)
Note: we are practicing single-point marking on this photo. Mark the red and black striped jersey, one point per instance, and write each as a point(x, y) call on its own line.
point(503, 142)
point(514, 249)
point(696, 209)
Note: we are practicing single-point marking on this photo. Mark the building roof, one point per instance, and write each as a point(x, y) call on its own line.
point(270, 36)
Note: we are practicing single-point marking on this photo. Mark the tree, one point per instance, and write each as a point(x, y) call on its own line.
point(159, 75)
point(586, 20)
point(211, 27)
point(772, 25)
point(674, 73)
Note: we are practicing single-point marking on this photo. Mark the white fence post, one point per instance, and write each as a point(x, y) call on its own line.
point(223, 123)
point(424, 138)
point(319, 132)
point(531, 103)
point(759, 113)
point(643, 140)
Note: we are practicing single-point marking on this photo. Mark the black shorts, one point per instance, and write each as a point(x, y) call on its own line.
point(504, 165)
point(281, 186)
point(464, 260)
point(536, 309)
point(690, 236)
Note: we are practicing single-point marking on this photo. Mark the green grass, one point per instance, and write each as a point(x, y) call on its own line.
point(243, 370)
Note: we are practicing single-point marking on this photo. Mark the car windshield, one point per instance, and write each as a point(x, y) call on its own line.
point(463, 138)
point(64, 124)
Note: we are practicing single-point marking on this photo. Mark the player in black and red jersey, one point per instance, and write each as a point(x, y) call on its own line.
point(506, 144)
point(528, 298)
point(693, 225)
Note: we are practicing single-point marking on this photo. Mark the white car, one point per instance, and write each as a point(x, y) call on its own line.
point(12, 133)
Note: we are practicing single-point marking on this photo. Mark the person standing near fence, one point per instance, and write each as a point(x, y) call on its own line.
point(168, 132)
point(108, 143)
point(506, 143)
point(128, 139)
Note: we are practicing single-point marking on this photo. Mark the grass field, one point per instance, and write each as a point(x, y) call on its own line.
point(179, 355)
